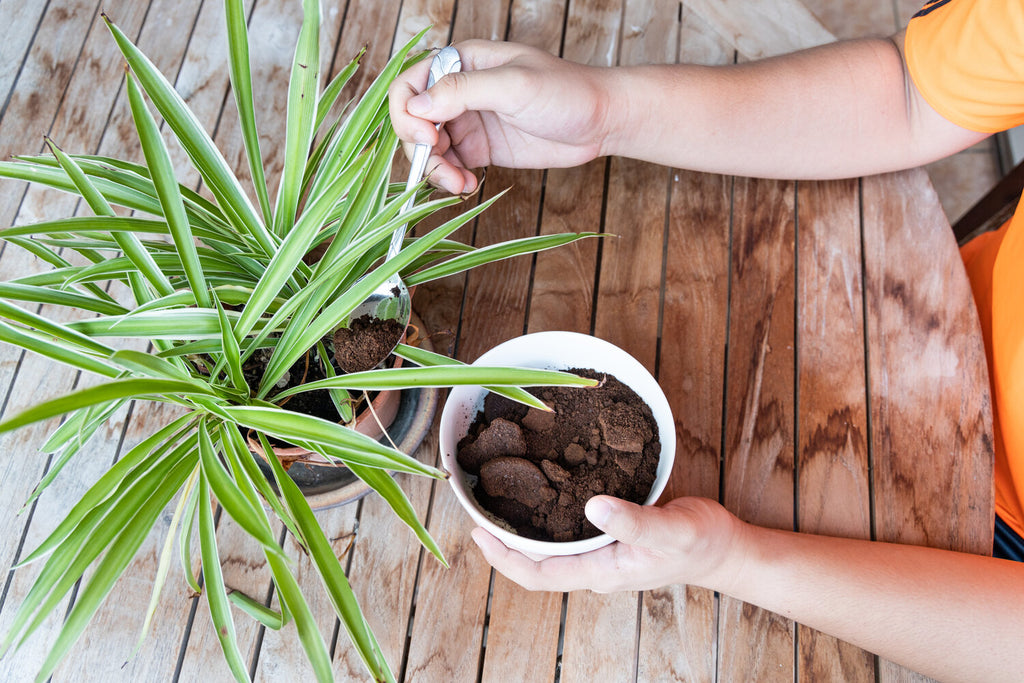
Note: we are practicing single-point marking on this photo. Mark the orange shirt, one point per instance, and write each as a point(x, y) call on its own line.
point(967, 59)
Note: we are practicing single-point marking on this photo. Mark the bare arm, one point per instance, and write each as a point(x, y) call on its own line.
point(839, 110)
point(953, 616)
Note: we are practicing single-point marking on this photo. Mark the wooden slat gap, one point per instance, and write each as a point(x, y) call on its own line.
point(870, 445)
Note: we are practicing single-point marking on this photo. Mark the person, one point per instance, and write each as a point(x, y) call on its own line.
point(852, 108)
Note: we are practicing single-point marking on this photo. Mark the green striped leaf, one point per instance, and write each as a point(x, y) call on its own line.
point(492, 253)
point(443, 376)
point(154, 389)
point(333, 576)
point(298, 429)
point(216, 597)
point(159, 161)
point(241, 88)
point(302, 100)
point(205, 155)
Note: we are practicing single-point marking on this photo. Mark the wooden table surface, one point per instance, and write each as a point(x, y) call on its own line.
point(817, 342)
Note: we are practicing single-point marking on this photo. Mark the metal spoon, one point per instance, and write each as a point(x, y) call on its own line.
point(391, 300)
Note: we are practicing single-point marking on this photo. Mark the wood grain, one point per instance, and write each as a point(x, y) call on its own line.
point(758, 476)
point(759, 30)
point(923, 352)
point(798, 396)
point(833, 495)
point(82, 120)
point(678, 628)
point(40, 88)
point(441, 649)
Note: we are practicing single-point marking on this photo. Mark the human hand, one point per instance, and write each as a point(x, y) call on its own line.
point(511, 105)
point(687, 541)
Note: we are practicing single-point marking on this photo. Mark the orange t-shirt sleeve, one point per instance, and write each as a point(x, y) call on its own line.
point(967, 59)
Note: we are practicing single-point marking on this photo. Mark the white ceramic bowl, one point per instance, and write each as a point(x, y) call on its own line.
point(552, 351)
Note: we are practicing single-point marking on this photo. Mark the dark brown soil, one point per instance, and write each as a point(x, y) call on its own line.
point(307, 369)
point(366, 342)
point(536, 470)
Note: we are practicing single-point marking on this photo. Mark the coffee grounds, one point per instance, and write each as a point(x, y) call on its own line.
point(366, 342)
point(536, 470)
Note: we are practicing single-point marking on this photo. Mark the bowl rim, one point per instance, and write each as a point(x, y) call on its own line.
point(552, 350)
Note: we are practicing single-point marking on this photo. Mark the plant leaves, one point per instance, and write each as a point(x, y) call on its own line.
point(159, 161)
point(299, 126)
point(213, 579)
point(155, 389)
point(298, 428)
point(241, 88)
point(332, 575)
point(205, 155)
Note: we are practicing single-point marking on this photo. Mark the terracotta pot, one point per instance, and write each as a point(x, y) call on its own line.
point(552, 351)
point(406, 414)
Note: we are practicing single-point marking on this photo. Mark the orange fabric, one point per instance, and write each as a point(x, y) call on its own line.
point(967, 59)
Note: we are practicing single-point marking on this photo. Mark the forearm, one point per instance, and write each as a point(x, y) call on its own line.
point(840, 110)
point(949, 615)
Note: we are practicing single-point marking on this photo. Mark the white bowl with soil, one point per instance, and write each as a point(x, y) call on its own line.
point(524, 475)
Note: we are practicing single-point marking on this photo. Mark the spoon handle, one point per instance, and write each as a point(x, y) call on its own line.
point(445, 62)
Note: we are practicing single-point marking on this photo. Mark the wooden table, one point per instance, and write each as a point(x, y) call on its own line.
point(817, 342)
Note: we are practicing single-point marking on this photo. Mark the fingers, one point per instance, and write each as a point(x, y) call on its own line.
point(551, 574)
point(445, 169)
point(457, 93)
point(406, 86)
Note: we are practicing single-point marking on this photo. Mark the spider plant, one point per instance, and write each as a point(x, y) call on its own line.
point(211, 281)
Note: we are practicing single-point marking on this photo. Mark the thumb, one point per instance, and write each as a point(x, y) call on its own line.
point(640, 525)
point(457, 93)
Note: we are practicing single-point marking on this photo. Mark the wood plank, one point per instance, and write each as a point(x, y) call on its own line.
point(925, 359)
point(601, 631)
point(833, 470)
point(39, 90)
point(385, 562)
point(370, 25)
point(498, 287)
point(678, 628)
point(759, 459)
point(563, 280)
point(846, 19)
point(20, 21)
point(438, 15)
point(923, 352)
point(762, 29)
point(524, 626)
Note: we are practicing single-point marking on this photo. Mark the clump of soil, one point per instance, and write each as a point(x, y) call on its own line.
point(536, 470)
point(366, 342)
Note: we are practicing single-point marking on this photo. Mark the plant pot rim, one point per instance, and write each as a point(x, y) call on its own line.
point(551, 350)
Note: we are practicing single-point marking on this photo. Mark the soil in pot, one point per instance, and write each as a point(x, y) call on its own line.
point(365, 342)
point(536, 470)
point(307, 369)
